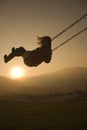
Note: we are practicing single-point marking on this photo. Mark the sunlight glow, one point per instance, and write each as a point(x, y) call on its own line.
point(17, 72)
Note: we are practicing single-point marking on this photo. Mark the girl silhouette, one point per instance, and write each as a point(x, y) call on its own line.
point(34, 57)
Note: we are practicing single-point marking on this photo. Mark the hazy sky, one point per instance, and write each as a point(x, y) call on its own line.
point(22, 20)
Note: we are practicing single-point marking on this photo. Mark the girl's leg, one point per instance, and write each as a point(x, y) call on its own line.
point(15, 52)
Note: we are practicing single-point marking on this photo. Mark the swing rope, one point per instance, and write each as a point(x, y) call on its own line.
point(70, 38)
point(70, 26)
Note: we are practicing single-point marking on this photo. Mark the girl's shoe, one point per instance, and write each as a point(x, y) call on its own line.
point(13, 49)
point(5, 58)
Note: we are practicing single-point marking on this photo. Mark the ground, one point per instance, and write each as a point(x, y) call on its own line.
point(44, 116)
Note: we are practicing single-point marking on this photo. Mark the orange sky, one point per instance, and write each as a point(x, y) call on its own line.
point(22, 20)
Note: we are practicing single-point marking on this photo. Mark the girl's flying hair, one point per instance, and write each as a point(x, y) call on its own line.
point(44, 40)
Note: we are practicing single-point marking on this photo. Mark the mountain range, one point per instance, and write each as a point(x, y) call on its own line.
point(66, 82)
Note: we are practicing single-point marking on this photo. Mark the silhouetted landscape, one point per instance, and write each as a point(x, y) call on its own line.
point(64, 85)
point(53, 101)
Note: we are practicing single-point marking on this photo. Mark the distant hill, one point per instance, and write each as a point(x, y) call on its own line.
point(8, 86)
point(68, 81)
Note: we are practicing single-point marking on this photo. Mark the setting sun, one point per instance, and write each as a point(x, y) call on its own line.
point(17, 72)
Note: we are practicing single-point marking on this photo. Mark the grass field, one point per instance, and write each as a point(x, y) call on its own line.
point(43, 116)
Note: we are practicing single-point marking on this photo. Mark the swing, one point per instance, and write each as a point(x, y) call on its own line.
point(43, 53)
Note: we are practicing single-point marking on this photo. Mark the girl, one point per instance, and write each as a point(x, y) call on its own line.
point(34, 57)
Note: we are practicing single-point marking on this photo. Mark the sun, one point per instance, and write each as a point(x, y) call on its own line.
point(17, 72)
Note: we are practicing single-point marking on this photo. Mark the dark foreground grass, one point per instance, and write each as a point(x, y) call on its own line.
point(43, 116)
